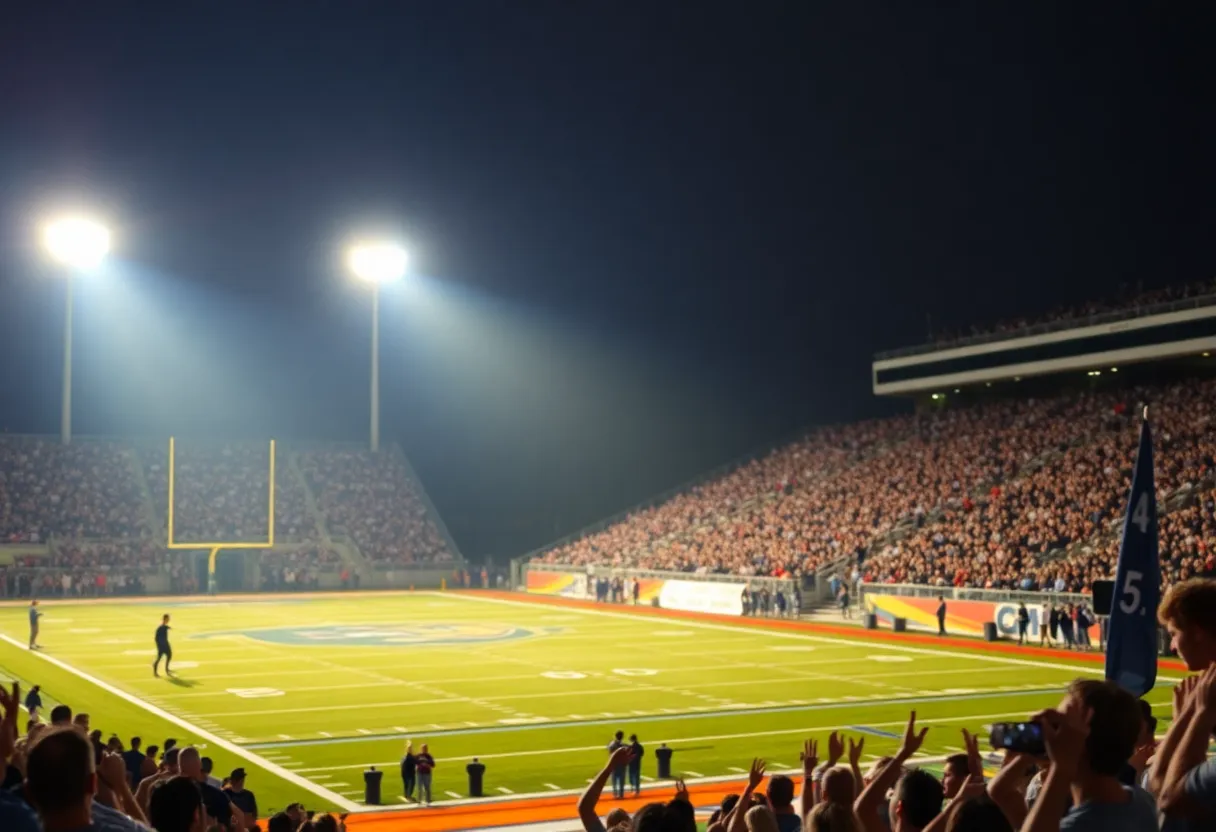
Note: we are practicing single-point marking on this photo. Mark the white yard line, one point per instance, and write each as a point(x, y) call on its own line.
point(231, 747)
point(809, 729)
point(1091, 670)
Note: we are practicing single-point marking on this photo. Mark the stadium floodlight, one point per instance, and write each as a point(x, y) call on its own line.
point(378, 264)
point(77, 242)
point(80, 244)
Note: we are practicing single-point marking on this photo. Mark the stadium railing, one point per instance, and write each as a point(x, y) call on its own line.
point(1054, 326)
point(973, 594)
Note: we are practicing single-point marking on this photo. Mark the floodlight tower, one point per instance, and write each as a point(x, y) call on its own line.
point(80, 244)
point(377, 264)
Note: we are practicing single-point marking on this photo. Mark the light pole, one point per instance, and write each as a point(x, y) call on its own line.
point(81, 245)
point(377, 264)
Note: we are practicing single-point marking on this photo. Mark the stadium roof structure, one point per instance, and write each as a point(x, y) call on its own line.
point(1167, 331)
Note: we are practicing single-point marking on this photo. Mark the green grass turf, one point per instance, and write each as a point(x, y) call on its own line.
point(324, 687)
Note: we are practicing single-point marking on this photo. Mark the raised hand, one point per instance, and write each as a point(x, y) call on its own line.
point(756, 776)
point(975, 762)
point(855, 751)
point(1204, 695)
point(1183, 694)
point(682, 792)
point(1064, 735)
point(621, 757)
point(835, 749)
point(810, 757)
point(912, 740)
point(112, 771)
point(11, 704)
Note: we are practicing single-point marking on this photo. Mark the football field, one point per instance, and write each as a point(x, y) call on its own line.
point(307, 692)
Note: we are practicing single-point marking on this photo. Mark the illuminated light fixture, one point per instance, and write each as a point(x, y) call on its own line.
point(956, 390)
point(938, 396)
point(77, 242)
point(1017, 378)
point(1114, 369)
point(1094, 373)
point(988, 384)
point(1206, 354)
point(378, 262)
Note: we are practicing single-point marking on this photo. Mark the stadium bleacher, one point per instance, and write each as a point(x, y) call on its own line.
point(88, 518)
point(1011, 492)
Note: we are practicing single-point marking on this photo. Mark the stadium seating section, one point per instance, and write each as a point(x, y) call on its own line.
point(1015, 494)
point(102, 507)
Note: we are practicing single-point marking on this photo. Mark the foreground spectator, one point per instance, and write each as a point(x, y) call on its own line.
point(1089, 739)
point(61, 780)
point(177, 806)
point(1183, 779)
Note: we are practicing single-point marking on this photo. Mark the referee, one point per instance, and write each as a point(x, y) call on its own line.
point(163, 650)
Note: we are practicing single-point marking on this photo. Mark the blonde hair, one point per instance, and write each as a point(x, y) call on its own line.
point(761, 819)
point(831, 817)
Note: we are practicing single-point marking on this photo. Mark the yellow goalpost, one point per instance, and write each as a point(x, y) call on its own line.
point(216, 547)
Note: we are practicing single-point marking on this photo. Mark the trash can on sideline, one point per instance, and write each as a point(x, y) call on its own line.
point(663, 755)
point(477, 773)
point(990, 631)
point(371, 786)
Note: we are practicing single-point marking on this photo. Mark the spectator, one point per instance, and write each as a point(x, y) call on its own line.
point(210, 780)
point(781, 801)
point(1089, 739)
point(409, 771)
point(426, 768)
point(215, 801)
point(242, 798)
point(134, 761)
point(177, 806)
point(60, 782)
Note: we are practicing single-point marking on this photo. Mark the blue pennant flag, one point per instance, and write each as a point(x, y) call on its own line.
point(1131, 648)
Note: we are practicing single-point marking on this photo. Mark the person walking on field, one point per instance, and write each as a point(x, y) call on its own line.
point(163, 650)
point(941, 615)
point(409, 771)
point(426, 768)
point(1023, 622)
point(34, 616)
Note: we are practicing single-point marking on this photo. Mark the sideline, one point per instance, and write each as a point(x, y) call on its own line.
point(325, 794)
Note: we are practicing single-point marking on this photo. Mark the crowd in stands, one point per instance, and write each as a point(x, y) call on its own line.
point(221, 491)
point(93, 512)
point(1016, 493)
point(47, 489)
point(373, 499)
point(1127, 300)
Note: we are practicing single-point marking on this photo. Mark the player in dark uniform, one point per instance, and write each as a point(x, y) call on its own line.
point(163, 650)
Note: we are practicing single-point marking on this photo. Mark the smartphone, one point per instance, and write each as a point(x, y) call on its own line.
point(1020, 737)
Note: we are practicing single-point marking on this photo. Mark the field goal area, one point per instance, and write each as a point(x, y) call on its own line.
point(216, 546)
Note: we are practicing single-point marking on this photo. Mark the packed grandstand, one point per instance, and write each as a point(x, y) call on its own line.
point(89, 518)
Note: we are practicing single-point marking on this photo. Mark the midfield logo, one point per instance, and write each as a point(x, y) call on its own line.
point(385, 634)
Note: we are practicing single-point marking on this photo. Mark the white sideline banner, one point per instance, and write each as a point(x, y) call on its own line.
point(702, 596)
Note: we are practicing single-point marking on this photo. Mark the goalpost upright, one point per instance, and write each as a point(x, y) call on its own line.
point(216, 547)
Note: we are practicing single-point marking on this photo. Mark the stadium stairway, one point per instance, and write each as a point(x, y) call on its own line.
point(147, 504)
point(310, 501)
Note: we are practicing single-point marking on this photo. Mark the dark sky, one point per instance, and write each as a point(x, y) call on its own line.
point(648, 236)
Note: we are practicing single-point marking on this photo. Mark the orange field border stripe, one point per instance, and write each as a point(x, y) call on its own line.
point(856, 632)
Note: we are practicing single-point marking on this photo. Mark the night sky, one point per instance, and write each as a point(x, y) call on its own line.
point(648, 237)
